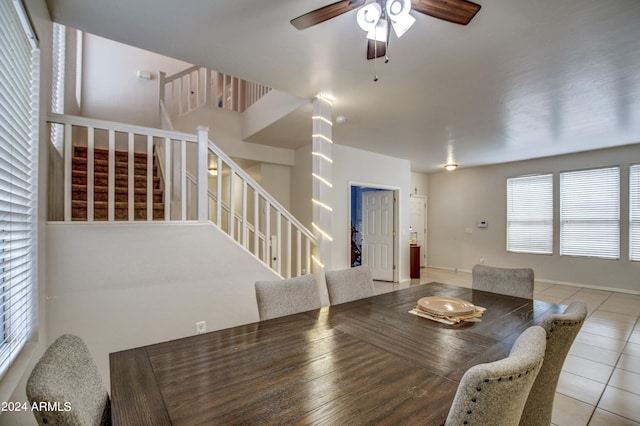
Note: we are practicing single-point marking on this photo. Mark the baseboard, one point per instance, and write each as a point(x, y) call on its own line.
point(554, 282)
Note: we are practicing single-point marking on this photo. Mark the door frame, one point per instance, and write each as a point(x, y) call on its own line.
point(396, 222)
point(424, 247)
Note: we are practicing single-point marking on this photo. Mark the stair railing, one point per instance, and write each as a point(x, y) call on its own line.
point(256, 220)
point(198, 86)
point(99, 134)
point(201, 183)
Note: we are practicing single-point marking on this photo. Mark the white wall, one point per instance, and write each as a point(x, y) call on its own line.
point(354, 166)
point(225, 131)
point(123, 286)
point(419, 183)
point(458, 199)
point(301, 185)
point(111, 89)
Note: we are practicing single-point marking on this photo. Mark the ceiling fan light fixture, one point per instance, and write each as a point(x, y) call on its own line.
point(398, 13)
point(402, 25)
point(368, 16)
point(450, 166)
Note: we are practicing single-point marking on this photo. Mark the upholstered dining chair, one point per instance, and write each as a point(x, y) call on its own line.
point(286, 297)
point(562, 330)
point(67, 380)
point(516, 282)
point(495, 393)
point(350, 284)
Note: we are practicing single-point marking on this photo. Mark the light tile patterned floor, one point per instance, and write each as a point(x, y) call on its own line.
point(600, 381)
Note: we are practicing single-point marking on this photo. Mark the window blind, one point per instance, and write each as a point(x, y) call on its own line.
point(530, 214)
point(590, 213)
point(634, 212)
point(18, 178)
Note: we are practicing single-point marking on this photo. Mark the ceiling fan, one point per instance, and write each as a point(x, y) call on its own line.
point(456, 11)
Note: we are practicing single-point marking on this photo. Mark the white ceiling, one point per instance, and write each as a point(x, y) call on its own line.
point(525, 79)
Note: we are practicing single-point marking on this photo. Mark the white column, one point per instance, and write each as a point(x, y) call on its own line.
point(322, 169)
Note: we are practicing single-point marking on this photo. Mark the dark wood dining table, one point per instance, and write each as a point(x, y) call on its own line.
point(364, 362)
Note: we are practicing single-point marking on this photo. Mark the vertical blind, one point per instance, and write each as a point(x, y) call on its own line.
point(530, 214)
point(634, 212)
point(590, 213)
point(18, 178)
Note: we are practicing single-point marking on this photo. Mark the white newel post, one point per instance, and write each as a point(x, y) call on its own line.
point(203, 180)
point(322, 167)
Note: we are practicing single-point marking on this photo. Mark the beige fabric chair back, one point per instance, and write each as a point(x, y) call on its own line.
point(562, 330)
point(67, 381)
point(286, 297)
point(516, 282)
point(495, 393)
point(349, 284)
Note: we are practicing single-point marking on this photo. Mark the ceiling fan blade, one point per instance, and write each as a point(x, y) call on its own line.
point(456, 11)
point(325, 13)
point(374, 51)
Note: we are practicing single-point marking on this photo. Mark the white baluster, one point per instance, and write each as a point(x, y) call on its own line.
point(298, 252)
point(183, 180)
point(90, 173)
point(232, 203)
point(149, 178)
point(131, 172)
point(279, 242)
point(308, 256)
point(256, 222)
point(68, 167)
point(244, 213)
point(167, 178)
point(219, 193)
point(267, 232)
point(111, 178)
point(288, 228)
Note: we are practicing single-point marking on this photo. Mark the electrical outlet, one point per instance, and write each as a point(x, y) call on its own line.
point(201, 327)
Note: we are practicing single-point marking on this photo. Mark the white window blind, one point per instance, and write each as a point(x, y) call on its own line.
point(590, 213)
point(634, 212)
point(19, 66)
point(530, 214)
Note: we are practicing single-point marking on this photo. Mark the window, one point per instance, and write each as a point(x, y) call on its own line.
point(57, 82)
point(634, 212)
point(590, 213)
point(18, 178)
point(530, 214)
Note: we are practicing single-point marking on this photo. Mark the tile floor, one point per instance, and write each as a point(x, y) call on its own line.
point(600, 381)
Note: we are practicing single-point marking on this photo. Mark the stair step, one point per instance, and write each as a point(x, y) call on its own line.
point(101, 211)
point(101, 193)
point(121, 180)
point(102, 166)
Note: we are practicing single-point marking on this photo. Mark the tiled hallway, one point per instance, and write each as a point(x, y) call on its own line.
point(600, 381)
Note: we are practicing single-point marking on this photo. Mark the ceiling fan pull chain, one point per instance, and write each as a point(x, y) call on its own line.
point(375, 59)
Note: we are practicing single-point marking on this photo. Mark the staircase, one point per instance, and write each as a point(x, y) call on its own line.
point(107, 186)
point(79, 199)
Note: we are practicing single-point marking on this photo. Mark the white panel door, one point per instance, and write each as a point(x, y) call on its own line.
point(377, 233)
